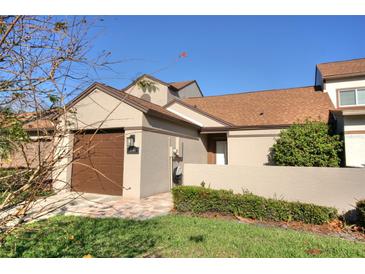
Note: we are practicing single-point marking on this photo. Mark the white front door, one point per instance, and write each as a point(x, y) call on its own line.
point(221, 153)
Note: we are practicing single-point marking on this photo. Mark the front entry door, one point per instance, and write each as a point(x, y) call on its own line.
point(221, 153)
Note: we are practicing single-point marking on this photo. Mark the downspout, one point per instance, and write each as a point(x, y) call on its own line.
point(170, 163)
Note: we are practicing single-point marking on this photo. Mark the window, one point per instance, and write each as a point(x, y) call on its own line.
point(361, 96)
point(352, 97)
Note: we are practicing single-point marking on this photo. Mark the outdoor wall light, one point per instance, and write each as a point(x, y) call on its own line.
point(131, 149)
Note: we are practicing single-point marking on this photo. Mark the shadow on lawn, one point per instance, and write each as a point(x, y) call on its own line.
point(79, 237)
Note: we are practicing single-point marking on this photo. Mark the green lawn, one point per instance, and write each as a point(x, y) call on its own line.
point(168, 236)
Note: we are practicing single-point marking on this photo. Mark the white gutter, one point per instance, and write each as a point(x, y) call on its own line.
point(185, 117)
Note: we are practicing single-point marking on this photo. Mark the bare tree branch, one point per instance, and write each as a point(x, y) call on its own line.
point(10, 28)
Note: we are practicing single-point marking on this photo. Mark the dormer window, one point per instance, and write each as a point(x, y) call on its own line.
point(352, 97)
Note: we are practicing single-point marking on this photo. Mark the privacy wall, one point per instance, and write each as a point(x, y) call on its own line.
point(337, 187)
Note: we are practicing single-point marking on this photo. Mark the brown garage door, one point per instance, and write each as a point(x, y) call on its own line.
point(98, 163)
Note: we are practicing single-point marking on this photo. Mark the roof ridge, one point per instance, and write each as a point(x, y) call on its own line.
point(250, 92)
point(153, 78)
point(133, 82)
point(185, 81)
point(341, 61)
point(179, 85)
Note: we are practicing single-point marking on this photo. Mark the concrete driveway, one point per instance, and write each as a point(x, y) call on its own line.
point(95, 205)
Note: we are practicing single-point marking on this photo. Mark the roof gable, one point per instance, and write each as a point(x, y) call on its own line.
point(109, 90)
point(135, 102)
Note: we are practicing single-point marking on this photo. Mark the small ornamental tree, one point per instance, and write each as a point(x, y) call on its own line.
point(308, 144)
point(12, 133)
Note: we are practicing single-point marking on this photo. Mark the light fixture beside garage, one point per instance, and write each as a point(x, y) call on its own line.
point(131, 148)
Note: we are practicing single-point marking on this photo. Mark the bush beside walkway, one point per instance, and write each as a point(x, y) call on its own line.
point(200, 200)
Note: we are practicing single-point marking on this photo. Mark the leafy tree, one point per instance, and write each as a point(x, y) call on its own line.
point(12, 133)
point(44, 62)
point(309, 144)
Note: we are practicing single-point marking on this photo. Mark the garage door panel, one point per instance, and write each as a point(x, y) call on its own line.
point(98, 163)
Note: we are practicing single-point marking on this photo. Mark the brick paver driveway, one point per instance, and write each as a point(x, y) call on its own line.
point(95, 205)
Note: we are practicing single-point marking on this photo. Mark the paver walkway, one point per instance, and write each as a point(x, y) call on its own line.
point(95, 205)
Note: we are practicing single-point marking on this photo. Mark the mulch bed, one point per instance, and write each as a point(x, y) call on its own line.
point(335, 228)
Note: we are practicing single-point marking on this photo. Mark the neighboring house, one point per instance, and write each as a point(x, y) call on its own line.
point(40, 145)
point(144, 135)
point(344, 82)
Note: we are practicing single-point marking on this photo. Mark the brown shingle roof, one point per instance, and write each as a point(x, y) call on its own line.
point(265, 108)
point(350, 67)
point(180, 85)
point(31, 121)
point(41, 124)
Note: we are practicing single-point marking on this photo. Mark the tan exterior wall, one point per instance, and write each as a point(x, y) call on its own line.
point(338, 187)
point(195, 150)
point(250, 147)
point(331, 86)
point(101, 108)
point(173, 127)
point(355, 140)
point(29, 155)
point(159, 96)
point(63, 170)
point(155, 169)
point(193, 116)
point(159, 138)
point(132, 166)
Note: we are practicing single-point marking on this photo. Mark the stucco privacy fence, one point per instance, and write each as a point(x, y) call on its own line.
point(337, 187)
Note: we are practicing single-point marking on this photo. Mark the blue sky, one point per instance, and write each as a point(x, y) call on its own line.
point(229, 54)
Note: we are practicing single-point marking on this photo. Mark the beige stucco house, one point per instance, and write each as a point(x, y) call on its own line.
point(144, 134)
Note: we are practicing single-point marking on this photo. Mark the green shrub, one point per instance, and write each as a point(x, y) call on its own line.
point(308, 144)
point(12, 133)
point(199, 200)
point(360, 207)
point(13, 179)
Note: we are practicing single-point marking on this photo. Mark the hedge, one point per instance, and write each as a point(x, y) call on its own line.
point(200, 200)
point(360, 207)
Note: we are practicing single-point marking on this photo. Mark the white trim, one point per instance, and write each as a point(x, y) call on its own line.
point(185, 117)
